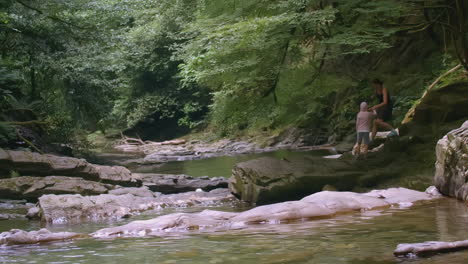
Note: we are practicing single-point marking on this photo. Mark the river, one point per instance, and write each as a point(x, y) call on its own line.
point(362, 237)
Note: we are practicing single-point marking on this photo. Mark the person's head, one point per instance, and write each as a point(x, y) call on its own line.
point(377, 84)
point(363, 107)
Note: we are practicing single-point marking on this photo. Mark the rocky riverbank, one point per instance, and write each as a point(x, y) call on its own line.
point(183, 150)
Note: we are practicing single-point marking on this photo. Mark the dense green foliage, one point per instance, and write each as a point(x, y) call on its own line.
point(234, 67)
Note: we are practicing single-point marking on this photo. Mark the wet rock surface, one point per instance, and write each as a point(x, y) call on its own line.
point(167, 183)
point(16, 236)
point(323, 204)
point(35, 164)
point(77, 208)
point(31, 188)
point(451, 176)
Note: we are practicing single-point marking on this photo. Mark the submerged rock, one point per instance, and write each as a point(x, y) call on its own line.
point(16, 237)
point(10, 216)
point(323, 204)
point(167, 183)
point(31, 188)
point(45, 164)
point(77, 208)
point(429, 248)
point(452, 163)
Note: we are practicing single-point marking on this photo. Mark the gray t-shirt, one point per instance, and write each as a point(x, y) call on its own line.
point(364, 121)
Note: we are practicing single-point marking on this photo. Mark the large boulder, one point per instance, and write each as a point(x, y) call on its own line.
point(269, 180)
point(77, 208)
point(451, 176)
point(31, 188)
point(319, 205)
point(31, 163)
point(169, 183)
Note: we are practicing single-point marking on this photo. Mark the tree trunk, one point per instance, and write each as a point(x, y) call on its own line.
point(32, 77)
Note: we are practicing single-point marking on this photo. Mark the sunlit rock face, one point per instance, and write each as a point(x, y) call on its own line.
point(451, 176)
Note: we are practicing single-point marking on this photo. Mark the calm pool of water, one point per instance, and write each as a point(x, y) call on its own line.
point(368, 237)
point(222, 166)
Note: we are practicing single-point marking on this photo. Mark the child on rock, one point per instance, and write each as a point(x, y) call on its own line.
point(364, 122)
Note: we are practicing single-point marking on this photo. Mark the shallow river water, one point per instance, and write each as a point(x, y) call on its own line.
point(222, 166)
point(368, 237)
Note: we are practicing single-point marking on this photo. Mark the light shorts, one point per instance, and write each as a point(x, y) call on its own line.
point(363, 137)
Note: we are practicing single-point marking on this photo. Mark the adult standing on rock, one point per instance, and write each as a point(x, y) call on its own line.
point(384, 109)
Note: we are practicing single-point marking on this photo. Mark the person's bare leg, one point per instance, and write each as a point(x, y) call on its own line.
point(357, 149)
point(374, 128)
point(386, 125)
point(364, 148)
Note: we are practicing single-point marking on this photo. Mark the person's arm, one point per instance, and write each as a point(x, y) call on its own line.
point(385, 100)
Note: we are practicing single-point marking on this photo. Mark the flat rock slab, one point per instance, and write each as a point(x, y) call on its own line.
point(429, 248)
point(168, 183)
point(16, 237)
point(31, 163)
point(32, 188)
point(77, 208)
point(318, 205)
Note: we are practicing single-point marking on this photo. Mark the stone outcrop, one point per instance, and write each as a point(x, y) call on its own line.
point(268, 180)
point(167, 183)
point(35, 164)
point(451, 176)
point(429, 248)
point(77, 208)
point(17, 237)
point(318, 205)
point(31, 188)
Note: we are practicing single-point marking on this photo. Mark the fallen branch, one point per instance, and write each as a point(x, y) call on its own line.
point(28, 142)
point(409, 115)
point(442, 76)
point(138, 141)
point(133, 141)
point(429, 248)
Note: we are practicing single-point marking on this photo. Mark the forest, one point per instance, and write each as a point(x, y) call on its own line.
point(236, 68)
point(235, 131)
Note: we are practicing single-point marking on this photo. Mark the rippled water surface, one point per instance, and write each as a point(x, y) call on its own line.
point(368, 237)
